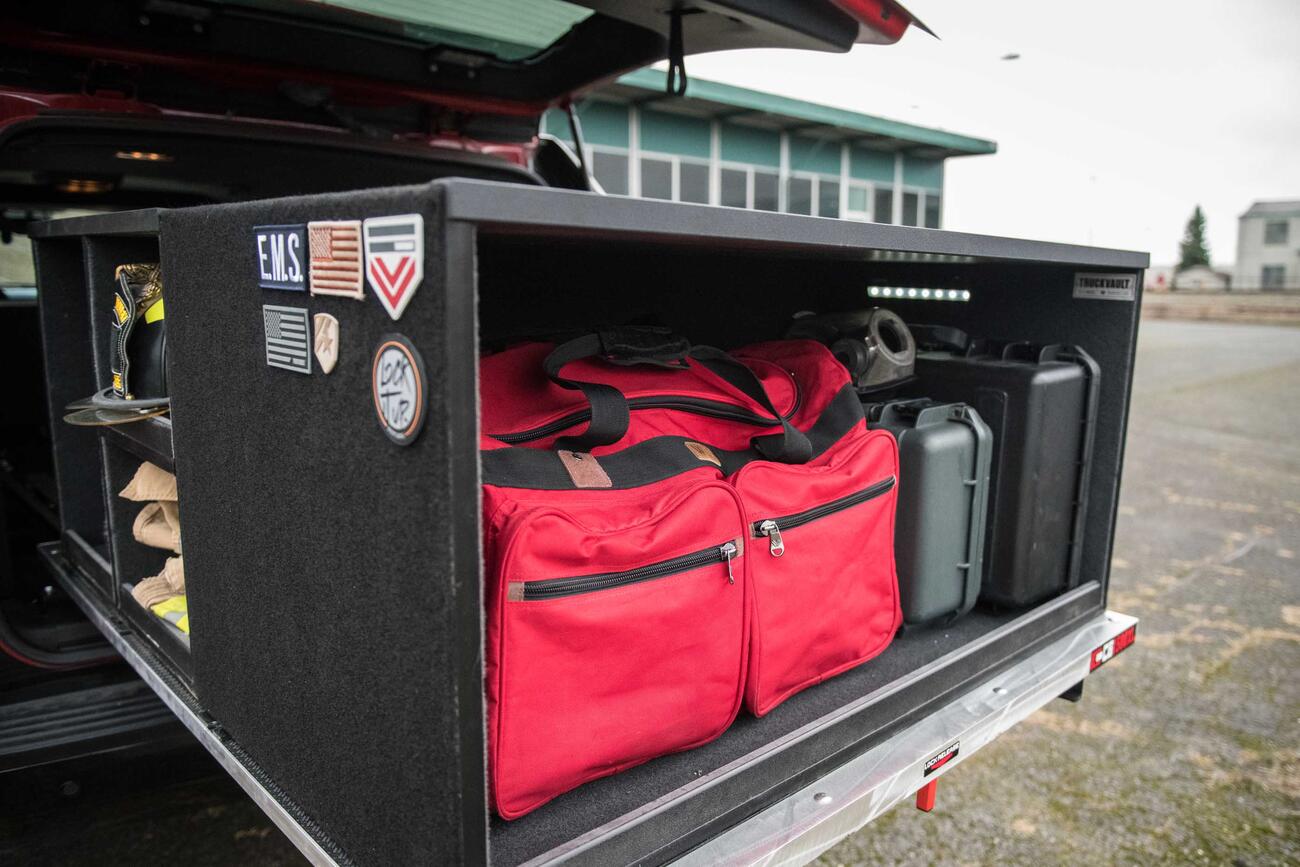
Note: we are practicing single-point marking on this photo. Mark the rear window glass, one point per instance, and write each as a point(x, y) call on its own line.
point(17, 270)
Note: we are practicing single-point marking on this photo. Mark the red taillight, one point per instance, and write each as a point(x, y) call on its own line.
point(881, 22)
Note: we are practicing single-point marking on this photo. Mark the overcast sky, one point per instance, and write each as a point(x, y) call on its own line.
point(1118, 118)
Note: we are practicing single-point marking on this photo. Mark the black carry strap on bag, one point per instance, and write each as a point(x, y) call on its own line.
point(610, 415)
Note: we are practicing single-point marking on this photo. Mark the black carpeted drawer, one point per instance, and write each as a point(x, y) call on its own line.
point(334, 574)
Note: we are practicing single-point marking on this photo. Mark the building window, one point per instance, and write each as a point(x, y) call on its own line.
point(858, 206)
point(656, 178)
point(828, 198)
point(799, 196)
point(1272, 276)
point(744, 186)
point(693, 182)
point(813, 195)
point(932, 210)
point(766, 185)
point(884, 205)
point(1275, 232)
point(610, 169)
point(911, 209)
point(657, 173)
point(677, 179)
point(733, 188)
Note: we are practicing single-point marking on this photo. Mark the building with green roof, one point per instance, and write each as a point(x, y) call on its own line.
point(732, 146)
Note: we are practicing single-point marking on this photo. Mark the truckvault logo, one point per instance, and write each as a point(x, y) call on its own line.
point(395, 259)
point(943, 757)
point(1105, 287)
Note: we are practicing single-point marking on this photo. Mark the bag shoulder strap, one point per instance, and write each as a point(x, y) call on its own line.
point(790, 446)
point(609, 410)
point(610, 415)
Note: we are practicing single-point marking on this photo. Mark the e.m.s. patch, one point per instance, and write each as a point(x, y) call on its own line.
point(395, 259)
point(399, 385)
point(281, 257)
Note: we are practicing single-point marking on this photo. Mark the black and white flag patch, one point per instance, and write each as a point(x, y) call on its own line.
point(288, 337)
point(281, 257)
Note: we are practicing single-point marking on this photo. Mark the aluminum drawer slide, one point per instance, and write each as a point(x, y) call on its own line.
point(799, 828)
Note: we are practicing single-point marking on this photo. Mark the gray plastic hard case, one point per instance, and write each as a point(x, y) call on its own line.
point(944, 450)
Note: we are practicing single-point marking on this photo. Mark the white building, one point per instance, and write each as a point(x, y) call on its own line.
point(1202, 278)
point(1268, 247)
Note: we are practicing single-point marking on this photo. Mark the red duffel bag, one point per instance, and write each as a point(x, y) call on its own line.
point(636, 590)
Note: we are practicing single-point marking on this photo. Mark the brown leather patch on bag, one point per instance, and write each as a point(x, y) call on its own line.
point(584, 470)
point(515, 591)
point(703, 452)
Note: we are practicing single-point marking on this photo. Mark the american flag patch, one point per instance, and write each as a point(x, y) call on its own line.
point(288, 338)
point(335, 250)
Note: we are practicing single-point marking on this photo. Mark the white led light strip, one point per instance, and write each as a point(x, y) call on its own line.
point(918, 293)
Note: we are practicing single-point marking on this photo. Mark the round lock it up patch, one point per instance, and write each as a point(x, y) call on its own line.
point(399, 386)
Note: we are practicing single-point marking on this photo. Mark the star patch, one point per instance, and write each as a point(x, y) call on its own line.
point(325, 341)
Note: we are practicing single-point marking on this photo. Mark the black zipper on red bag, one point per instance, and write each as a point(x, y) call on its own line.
point(773, 527)
point(698, 406)
point(558, 587)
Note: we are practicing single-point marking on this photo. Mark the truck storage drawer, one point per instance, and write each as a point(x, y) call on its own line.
point(332, 538)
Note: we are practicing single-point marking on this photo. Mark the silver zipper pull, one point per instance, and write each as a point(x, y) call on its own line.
point(728, 551)
point(769, 529)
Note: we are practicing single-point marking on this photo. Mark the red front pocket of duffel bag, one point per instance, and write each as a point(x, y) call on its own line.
point(821, 561)
point(612, 641)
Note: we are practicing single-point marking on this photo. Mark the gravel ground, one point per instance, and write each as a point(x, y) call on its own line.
point(1185, 749)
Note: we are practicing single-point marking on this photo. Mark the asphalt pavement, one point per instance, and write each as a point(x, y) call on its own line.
point(1185, 749)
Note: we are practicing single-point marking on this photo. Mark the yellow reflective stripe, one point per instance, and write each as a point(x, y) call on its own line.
point(175, 611)
point(154, 313)
point(119, 309)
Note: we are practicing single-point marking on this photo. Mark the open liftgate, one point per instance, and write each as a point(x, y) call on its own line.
point(792, 831)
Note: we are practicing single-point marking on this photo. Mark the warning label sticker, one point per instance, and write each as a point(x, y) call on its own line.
point(1105, 287)
point(941, 758)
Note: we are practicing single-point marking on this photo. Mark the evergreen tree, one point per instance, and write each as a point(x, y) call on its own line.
point(1194, 250)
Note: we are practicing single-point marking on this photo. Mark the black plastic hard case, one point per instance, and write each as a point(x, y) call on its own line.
point(1040, 402)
